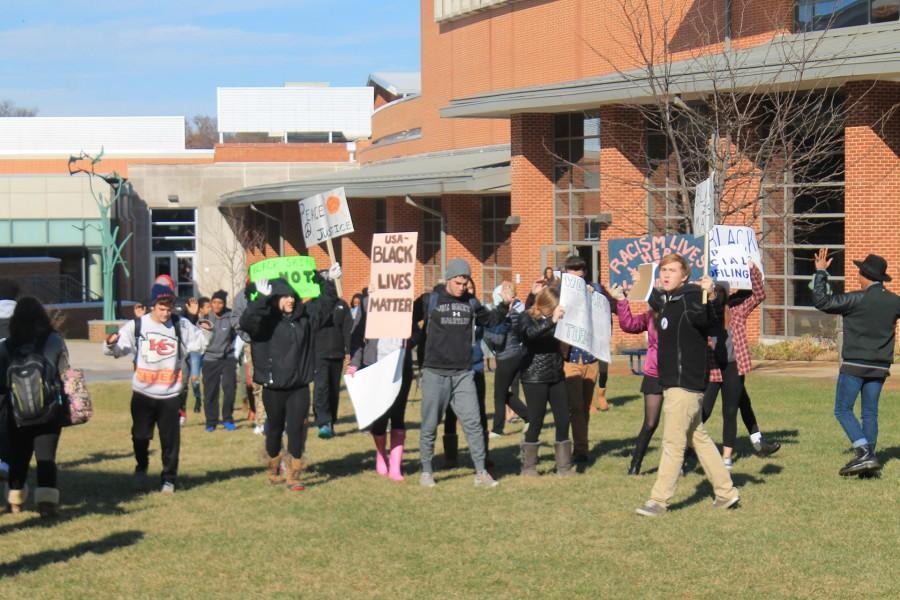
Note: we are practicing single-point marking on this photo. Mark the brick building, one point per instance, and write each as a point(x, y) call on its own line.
point(537, 134)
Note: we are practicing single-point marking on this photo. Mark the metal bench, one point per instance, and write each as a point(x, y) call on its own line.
point(636, 353)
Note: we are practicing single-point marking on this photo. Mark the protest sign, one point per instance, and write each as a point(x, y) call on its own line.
point(298, 271)
point(324, 217)
point(587, 323)
point(731, 250)
point(373, 390)
point(642, 289)
point(629, 254)
point(704, 207)
point(391, 285)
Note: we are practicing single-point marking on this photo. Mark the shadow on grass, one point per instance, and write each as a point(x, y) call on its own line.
point(95, 458)
point(623, 400)
point(888, 454)
point(38, 560)
point(704, 490)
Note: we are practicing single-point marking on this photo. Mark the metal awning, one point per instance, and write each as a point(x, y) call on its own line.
point(470, 171)
point(814, 59)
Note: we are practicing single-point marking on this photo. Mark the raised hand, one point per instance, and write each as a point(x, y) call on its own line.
point(822, 260)
point(264, 287)
point(558, 313)
point(617, 292)
point(192, 306)
point(334, 272)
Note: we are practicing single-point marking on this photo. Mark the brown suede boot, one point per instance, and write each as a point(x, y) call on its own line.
point(530, 459)
point(293, 475)
point(274, 470)
point(563, 453)
point(599, 403)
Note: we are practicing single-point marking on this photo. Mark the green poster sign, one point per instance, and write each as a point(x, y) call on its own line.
point(298, 271)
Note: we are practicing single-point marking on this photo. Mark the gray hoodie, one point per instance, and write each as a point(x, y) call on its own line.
point(224, 328)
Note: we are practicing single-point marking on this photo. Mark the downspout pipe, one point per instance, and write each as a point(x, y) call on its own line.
point(439, 215)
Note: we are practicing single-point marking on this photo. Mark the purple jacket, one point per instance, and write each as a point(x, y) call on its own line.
point(637, 324)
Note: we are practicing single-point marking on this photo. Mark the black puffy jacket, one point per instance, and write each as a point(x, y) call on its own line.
point(543, 360)
point(683, 324)
point(333, 339)
point(283, 347)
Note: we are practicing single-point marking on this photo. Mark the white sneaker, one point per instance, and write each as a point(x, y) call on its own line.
point(167, 489)
point(485, 480)
point(258, 430)
point(426, 480)
point(494, 435)
point(729, 463)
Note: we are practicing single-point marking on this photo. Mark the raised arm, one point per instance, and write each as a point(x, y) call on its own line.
point(630, 323)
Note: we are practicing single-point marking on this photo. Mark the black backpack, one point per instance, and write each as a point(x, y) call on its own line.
point(34, 386)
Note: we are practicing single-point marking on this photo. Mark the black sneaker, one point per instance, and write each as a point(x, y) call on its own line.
point(763, 448)
point(864, 462)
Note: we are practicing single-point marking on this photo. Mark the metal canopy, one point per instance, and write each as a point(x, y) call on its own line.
point(815, 59)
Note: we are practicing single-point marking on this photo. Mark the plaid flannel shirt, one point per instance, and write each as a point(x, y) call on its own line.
point(738, 328)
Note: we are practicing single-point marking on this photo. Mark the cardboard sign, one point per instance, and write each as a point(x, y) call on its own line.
point(704, 207)
point(646, 281)
point(373, 390)
point(298, 271)
point(391, 285)
point(731, 250)
point(324, 217)
point(587, 323)
point(629, 254)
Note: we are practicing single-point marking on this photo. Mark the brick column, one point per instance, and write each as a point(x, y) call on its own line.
point(355, 248)
point(463, 219)
point(403, 217)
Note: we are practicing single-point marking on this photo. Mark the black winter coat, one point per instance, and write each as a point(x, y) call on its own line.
point(543, 360)
point(333, 339)
point(283, 347)
point(683, 324)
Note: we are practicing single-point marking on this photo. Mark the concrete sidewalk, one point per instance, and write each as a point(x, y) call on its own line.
point(97, 367)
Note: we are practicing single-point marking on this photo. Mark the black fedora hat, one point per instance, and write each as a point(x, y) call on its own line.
point(874, 268)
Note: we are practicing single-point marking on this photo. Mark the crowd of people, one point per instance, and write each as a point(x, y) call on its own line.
point(275, 345)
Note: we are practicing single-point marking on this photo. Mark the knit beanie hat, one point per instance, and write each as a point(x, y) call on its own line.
point(457, 267)
point(220, 295)
point(160, 291)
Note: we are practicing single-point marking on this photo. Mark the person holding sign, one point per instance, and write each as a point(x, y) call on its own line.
point(282, 330)
point(683, 324)
point(870, 320)
point(447, 378)
point(544, 381)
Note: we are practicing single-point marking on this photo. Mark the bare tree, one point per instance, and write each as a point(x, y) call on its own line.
point(201, 132)
point(8, 108)
point(230, 239)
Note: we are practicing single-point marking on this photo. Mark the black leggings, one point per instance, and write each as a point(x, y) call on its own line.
point(537, 395)
point(652, 410)
point(396, 414)
point(734, 398)
point(38, 440)
point(450, 416)
point(506, 376)
point(286, 411)
point(603, 374)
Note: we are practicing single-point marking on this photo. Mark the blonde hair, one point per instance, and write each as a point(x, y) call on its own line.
point(544, 303)
point(673, 258)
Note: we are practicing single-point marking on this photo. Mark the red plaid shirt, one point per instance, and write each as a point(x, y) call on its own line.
point(737, 328)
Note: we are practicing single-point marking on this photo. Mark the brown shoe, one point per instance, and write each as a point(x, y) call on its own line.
point(293, 475)
point(599, 403)
point(274, 470)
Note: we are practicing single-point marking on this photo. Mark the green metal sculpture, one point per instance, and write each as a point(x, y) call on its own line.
point(111, 251)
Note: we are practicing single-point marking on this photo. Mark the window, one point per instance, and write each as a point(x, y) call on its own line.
point(431, 243)
point(380, 215)
point(819, 15)
point(496, 248)
point(173, 230)
point(576, 177)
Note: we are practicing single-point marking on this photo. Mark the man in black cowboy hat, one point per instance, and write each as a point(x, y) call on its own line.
point(870, 318)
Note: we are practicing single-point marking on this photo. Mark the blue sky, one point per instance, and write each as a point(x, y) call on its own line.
point(166, 57)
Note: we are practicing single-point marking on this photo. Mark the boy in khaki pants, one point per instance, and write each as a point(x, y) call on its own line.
point(682, 322)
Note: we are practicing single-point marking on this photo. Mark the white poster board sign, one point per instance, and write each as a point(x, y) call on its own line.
point(372, 390)
point(731, 250)
point(324, 217)
point(704, 207)
point(587, 323)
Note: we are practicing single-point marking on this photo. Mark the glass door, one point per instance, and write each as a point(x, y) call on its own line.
point(180, 267)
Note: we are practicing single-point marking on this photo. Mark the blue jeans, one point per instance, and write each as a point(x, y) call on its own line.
point(848, 388)
point(196, 361)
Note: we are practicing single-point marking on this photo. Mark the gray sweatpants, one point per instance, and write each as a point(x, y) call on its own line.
point(458, 391)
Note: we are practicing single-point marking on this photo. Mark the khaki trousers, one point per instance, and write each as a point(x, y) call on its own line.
point(580, 382)
point(682, 426)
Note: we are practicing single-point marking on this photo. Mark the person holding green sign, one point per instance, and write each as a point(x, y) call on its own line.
point(282, 330)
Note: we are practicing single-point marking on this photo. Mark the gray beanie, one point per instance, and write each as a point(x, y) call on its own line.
point(457, 267)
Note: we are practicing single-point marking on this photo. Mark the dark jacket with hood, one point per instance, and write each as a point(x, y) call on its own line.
point(333, 339)
point(543, 360)
point(283, 346)
point(449, 335)
point(683, 324)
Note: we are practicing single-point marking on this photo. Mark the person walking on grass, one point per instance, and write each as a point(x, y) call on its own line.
point(220, 364)
point(332, 346)
point(682, 324)
point(504, 340)
point(870, 319)
point(30, 334)
point(159, 340)
point(544, 381)
point(282, 330)
point(8, 291)
point(447, 378)
point(730, 353)
point(194, 310)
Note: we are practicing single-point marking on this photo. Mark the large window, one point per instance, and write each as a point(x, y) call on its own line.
point(380, 215)
point(576, 177)
point(431, 244)
point(496, 248)
point(173, 230)
point(818, 15)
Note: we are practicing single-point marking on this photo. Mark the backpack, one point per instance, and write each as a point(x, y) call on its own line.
point(34, 386)
point(495, 340)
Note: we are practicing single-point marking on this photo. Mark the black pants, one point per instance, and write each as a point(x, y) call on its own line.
point(734, 398)
point(37, 440)
point(286, 411)
point(603, 374)
point(397, 413)
point(328, 389)
point(537, 395)
point(219, 373)
point(4, 433)
point(450, 416)
point(506, 376)
point(147, 412)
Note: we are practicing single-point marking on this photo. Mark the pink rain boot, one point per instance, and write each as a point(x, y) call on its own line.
point(398, 436)
point(381, 465)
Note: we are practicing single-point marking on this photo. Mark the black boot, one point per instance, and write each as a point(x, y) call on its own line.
point(451, 444)
point(636, 460)
point(864, 462)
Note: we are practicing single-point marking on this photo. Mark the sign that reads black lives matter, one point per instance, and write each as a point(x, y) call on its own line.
point(391, 285)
